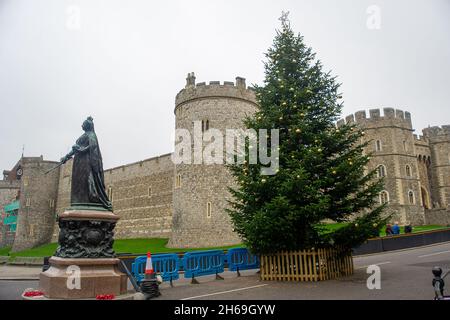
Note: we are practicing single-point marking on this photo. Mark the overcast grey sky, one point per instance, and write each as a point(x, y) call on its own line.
point(123, 62)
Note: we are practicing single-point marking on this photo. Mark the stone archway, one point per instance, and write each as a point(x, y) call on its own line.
point(425, 198)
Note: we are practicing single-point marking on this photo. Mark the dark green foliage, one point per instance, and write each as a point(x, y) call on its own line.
point(321, 168)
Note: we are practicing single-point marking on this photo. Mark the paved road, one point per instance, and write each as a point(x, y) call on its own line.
point(404, 275)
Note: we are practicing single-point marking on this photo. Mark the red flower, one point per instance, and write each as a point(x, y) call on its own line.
point(34, 293)
point(105, 297)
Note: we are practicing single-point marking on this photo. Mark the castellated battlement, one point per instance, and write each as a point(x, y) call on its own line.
point(214, 89)
point(435, 132)
point(390, 117)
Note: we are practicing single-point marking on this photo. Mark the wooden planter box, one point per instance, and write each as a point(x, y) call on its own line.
point(307, 265)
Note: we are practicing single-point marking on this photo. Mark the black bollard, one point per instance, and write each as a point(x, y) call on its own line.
point(438, 283)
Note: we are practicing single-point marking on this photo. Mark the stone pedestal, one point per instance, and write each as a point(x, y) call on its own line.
point(97, 276)
point(84, 251)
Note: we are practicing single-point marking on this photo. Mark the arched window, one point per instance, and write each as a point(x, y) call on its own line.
point(408, 171)
point(110, 194)
point(411, 197)
point(425, 198)
point(205, 125)
point(384, 197)
point(378, 145)
point(381, 171)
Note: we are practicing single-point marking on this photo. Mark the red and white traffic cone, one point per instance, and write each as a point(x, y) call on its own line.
point(149, 272)
point(149, 285)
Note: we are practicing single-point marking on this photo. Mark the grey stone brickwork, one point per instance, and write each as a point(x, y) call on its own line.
point(437, 217)
point(439, 141)
point(413, 164)
point(206, 185)
point(38, 195)
point(141, 194)
point(8, 193)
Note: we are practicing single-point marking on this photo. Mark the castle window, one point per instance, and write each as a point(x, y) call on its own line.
point(384, 197)
point(28, 202)
point(110, 194)
point(408, 171)
point(381, 171)
point(149, 191)
point(208, 209)
point(404, 145)
point(411, 197)
point(378, 146)
point(205, 125)
point(178, 181)
point(51, 203)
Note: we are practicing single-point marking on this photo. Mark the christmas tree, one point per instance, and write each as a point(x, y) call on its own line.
point(321, 175)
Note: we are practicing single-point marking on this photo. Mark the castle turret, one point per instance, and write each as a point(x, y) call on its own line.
point(201, 189)
point(439, 142)
point(391, 143)
point(38, 195)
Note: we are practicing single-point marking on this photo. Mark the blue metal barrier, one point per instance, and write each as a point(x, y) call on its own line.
point(201, 263)
point(167, 265)
point(241, 259)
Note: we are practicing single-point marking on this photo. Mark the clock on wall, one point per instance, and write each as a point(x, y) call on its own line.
point(19, 172)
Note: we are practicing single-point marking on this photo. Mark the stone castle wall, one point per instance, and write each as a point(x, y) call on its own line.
point(38, 196)
point(200, 200)
point(391, 144)
point(8, 193)
point(438, 217)
point(423, 155)
point(141, 194)
point(439, 141)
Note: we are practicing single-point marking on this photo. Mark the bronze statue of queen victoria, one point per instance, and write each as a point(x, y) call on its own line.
point(87, 226)
point(88, 182)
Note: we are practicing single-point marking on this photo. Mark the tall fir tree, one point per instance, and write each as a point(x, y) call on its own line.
point(321, 174)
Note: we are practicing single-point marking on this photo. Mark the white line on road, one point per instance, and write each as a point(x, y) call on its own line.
point(433, 254)
point(377, 264)
point(223, 292)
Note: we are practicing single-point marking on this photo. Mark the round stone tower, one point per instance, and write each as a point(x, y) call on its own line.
point(391, 143)
point(200, 187)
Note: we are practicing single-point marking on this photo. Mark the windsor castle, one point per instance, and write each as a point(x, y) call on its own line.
point(156, 198)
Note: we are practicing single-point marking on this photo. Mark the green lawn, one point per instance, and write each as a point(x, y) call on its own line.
point(4, 251)
point(132, 246)
point(335, 226)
